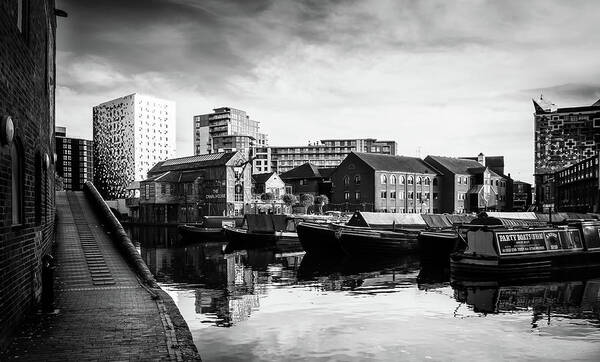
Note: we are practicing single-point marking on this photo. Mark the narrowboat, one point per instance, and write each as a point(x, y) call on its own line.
point(366, 233)
point(260, 230)
point(210, 228)
point(497, 247)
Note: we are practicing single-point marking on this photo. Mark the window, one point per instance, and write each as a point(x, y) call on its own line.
point(427, 181)
point(419, 180)
point(346, 180)
point(393, 180)
point(392, 194)
point(401, 195)
point(17, 183)
point(459, 180)
point(411, 180)
point(402, 180)
point(163, 189)
point(346, 195)
point(357, 179)
point(384, 194)
point(357, 195)
point(411, 195)
point(435, 181)
point(147, 193)
point(435, 195)
point(383, 179)
point(419, 196)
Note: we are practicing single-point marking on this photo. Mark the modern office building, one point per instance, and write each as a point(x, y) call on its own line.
point(323, 154)
point(74, 160)
point(385, 183)
point(27, 208)
point(131, 134)
point(563, 137)
point(226, 130)
point(577, 187)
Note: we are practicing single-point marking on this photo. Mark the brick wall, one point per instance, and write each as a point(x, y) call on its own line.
point(27, 95)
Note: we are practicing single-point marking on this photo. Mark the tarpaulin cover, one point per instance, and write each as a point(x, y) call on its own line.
point(260, 223)
point(384, 220)
point(513, 215)
point(279, 222)
point(460, 219)
point(436, 221)
point(508, 222)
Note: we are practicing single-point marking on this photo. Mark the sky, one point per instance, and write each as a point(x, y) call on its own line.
point(450, 78)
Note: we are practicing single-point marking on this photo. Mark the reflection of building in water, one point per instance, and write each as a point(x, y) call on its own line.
point(580, 298)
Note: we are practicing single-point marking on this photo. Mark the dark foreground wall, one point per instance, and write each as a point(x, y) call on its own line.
point(26, 162)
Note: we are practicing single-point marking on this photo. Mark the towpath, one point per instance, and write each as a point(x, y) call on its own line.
point(104, 312)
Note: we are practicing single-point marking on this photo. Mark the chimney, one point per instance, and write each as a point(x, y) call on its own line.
point(481, 158)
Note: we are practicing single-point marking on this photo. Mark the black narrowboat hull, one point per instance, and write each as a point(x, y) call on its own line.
point(191, 232)
point(357, 242)
point(438, 245)
point(244, 238)
point(522, 267)
point(319, 238)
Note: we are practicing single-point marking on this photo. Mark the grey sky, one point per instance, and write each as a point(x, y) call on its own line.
point(447, 77)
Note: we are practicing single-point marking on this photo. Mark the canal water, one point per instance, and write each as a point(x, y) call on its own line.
point(278, 304)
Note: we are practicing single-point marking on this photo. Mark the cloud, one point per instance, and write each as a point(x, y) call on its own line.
point(444, 76)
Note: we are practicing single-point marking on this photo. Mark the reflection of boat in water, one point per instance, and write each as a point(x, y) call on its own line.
point(366, 233)
point(565, 297)
point(315, 265)
point(209, 228)
point(498, 247)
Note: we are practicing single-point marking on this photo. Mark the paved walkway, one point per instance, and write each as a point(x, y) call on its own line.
point(104, 313)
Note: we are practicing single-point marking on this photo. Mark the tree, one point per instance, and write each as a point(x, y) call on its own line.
point(321, 201)
point(307, 200)
point(289, 200)
point(267, 197)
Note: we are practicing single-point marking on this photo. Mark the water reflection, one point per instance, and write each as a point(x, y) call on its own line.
point(366, 309)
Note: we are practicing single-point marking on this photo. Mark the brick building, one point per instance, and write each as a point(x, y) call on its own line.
point(577, 187)
point(469, 186)
point(27, 73)
point(183, 189)
point(307, 179)
point(385, 183)
point(74, 160)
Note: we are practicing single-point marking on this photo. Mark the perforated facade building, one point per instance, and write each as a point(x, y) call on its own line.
point(131, 134)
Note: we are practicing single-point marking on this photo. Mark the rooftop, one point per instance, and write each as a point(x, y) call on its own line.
point(193, 162)
point(381, 162)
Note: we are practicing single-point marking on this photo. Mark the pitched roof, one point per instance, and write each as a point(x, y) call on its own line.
point(326, 171)
point(381, 162)
point(193, 162)
point(261, 178)
point(456, 165)
point(306, 170)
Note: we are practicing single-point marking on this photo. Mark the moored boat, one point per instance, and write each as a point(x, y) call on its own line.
point(209, 228)
point(318, 238)
point(259, 230)
point(497, 248)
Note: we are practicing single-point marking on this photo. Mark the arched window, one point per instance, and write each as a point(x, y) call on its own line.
point(16, 162)
point(402, 180)
point(411, 180)
point(419, 180)
point(393, 179)
point(346, 180)
point(496, 182)
point(435, 181)
point(383, 179)
point(357, 179)
point(427, 181)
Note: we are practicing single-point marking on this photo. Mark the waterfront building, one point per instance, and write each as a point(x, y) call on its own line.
point(522, 196)
point(268, 182)
point(468, 185)
point(496, 164)
point(184, 189)
point(308, 179)
point(563, 137)
point(226, 130)
point(577, 187)
point(74, 160)
point(328, 153)
point(131, 134)
point(27, 166)
point(385, 183)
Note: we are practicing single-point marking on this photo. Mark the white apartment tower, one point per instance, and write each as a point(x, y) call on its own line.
point(131, 134)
